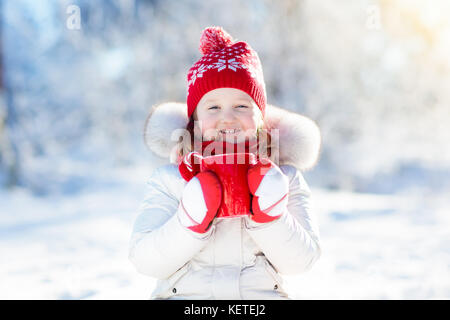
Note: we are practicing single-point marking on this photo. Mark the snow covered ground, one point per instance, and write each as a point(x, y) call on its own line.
point(75, 247)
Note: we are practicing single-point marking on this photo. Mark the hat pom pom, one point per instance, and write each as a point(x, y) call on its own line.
point(214, 39)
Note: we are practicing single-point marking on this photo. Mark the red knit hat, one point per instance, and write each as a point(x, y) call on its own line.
point(225, 64)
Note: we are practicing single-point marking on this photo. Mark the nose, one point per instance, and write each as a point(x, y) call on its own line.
point(228, 116)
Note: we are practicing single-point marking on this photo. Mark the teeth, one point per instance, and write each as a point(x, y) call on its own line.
point(229, 130)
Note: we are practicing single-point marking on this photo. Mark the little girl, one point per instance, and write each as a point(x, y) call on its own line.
point(177, 236)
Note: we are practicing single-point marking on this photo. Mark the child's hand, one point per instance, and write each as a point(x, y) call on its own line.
point(200, 202)
point(269, 187)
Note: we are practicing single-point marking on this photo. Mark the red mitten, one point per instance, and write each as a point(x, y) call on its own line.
point(190, 165)
point(269, 187)
point(200, 202)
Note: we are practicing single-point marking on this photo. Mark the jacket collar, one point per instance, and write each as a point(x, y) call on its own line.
point(298, 143)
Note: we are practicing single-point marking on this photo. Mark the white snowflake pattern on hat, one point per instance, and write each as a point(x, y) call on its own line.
point(228, 58)
point(197, 73)
point(227, 64)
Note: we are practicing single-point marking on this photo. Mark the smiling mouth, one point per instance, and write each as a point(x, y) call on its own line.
point(229, 131)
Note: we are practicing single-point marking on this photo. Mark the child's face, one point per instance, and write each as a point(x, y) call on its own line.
point(227, 114)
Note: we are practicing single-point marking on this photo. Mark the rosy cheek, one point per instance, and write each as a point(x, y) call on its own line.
point(208, 129)
point(251, 124)
point(208, 133)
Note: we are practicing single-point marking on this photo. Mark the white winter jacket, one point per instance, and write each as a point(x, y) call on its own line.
point(237, 258)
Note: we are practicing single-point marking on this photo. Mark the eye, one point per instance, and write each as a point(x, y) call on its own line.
point(242, 106)
point(213, 108)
